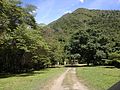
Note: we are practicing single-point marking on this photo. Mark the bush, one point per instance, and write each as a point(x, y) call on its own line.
point(116, 63)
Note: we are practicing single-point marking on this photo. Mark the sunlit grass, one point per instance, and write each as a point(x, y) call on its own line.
point(99, 78)
point(29, 81)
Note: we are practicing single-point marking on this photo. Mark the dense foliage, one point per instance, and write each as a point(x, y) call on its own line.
point(22, 47)
point(90, 45)
point(88, 36)
point(93, 35)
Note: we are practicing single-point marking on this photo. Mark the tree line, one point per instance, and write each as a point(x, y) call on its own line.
point(92, 36)
point(23, 46)
point(88, 36)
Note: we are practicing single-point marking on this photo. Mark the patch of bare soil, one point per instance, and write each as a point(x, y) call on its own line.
point(67, 81)
point(71, 81)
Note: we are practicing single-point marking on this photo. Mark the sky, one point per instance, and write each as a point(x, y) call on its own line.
point(50, 10)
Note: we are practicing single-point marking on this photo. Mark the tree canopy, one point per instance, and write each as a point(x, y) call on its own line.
point(88, 36)
point(93, 34)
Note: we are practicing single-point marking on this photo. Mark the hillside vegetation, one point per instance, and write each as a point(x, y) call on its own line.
point(85, 36)
point(90, 35)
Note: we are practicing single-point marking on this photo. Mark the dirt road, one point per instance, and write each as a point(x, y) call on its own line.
point(68, 81)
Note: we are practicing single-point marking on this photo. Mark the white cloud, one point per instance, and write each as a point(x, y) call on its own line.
point(67, 12)
point(34, 11)
point(82, 1)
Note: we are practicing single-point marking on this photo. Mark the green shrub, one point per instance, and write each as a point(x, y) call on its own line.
point(116, 63)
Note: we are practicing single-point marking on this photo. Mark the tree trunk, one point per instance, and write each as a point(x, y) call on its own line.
point(88, 63)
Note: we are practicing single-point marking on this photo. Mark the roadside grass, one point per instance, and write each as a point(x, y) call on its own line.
point(29, 81)
point(100, 77)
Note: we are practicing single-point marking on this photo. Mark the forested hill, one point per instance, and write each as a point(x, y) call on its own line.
point(105, 20)
point(85, 35)
point(74, 19)
point(91, 35)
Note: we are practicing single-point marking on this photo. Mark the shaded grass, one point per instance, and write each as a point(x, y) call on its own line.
point(99, 78)
point(29, 81)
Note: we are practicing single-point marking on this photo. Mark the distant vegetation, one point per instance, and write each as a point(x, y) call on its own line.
point(89, 36)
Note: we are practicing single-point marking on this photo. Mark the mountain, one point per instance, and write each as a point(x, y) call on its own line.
point(106, 21)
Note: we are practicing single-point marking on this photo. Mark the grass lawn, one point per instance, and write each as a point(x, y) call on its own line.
point(29, 81)
point(99, 78)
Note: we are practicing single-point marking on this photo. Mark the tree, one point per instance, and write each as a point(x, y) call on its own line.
point(13, 15)
point(91, 47)
point(22, 48)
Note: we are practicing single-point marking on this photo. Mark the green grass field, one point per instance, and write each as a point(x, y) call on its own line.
point(98, 78)
point(29, 81)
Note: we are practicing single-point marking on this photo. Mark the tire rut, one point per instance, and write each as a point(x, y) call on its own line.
point(68, 81)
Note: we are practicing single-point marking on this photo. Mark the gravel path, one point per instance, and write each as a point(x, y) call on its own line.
point(68, 81)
